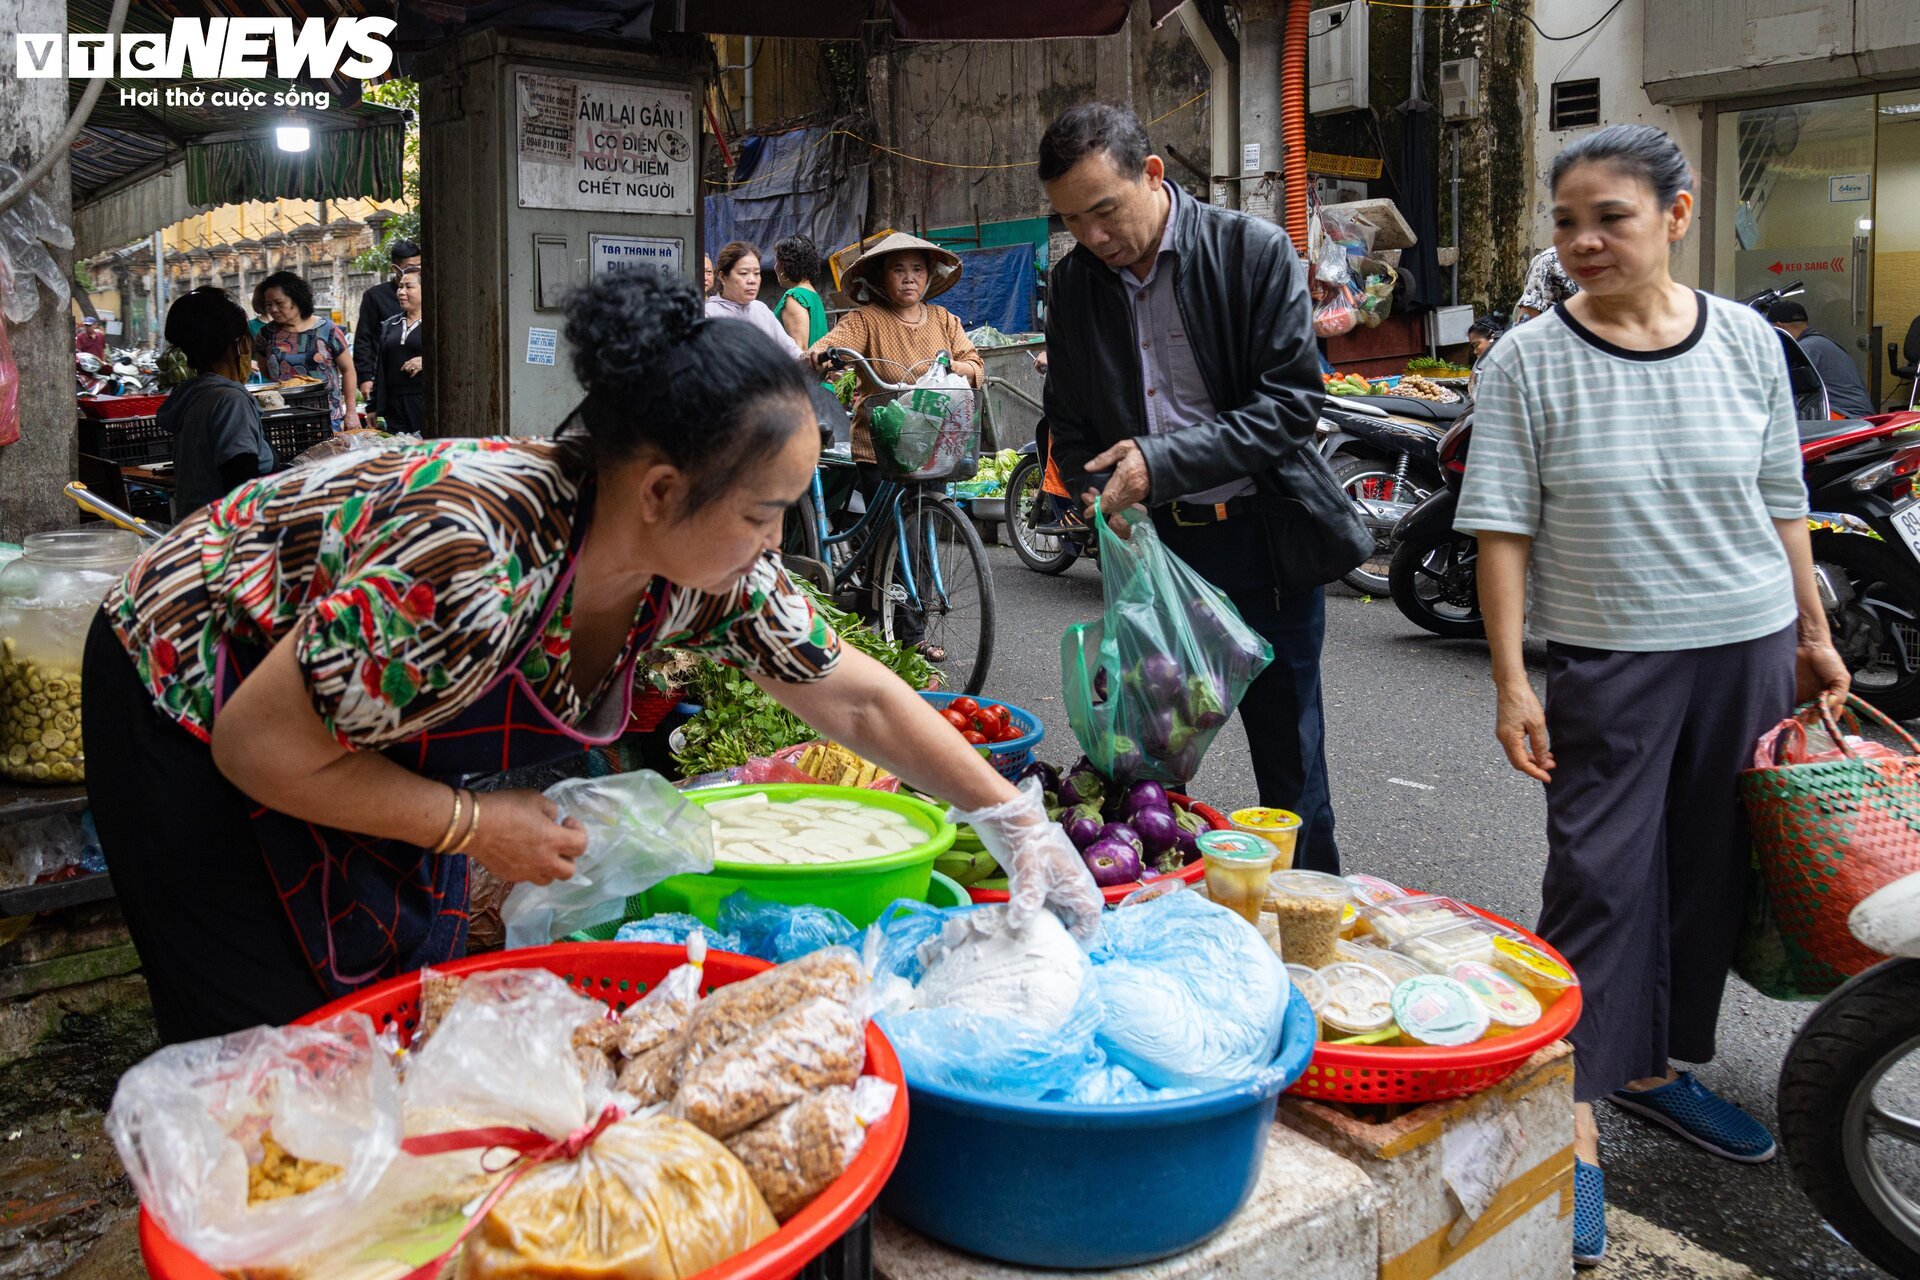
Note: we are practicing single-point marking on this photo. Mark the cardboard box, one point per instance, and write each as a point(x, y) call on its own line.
point(1515, 1139)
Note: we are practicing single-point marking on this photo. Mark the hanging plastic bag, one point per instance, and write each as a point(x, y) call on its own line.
point(971, 1004)
point(640, 830)
point(9, 371)
point(931, 432)
point(1150, 683)
point(261, 1148)
point(1330, 262)
point(1337, 315)
point(1189, 995)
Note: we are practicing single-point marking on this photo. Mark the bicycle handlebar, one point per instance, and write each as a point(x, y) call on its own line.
point(841, 357)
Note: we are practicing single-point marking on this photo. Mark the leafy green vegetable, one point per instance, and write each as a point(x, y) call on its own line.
point(990, 481)
point(739, 721)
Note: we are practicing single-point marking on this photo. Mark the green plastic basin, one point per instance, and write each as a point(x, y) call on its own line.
point(859, 889)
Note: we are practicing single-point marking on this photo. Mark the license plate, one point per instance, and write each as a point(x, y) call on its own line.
point(1907, 521)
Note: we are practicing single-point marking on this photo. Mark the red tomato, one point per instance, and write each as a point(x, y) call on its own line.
point(993, 718)
point(1007, 734)
point(957, 720)
point(965, 706)
point(975, 737)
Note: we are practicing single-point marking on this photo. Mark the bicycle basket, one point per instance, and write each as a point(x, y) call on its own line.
point(928, 433)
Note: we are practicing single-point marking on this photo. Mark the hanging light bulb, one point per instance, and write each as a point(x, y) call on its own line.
point(293, 137)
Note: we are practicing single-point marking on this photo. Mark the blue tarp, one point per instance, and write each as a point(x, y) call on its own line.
point(789, 188)
point(996, 288)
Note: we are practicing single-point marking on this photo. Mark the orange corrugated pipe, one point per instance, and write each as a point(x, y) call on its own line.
point(1293, 120)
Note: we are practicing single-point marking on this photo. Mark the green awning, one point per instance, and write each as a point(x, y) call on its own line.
point(341, 164)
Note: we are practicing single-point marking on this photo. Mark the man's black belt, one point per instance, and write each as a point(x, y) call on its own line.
point(1190, 514)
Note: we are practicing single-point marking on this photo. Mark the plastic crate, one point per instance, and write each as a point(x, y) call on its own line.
point(292, 432)
point(131, 442)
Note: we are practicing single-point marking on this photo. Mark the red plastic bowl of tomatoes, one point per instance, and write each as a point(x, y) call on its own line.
point(1006, 734)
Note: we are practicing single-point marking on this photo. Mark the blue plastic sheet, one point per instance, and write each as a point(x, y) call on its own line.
point(789, 186)
point(995, 287)
point(674, 928)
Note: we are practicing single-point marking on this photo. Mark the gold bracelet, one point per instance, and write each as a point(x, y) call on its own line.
point(453, 823)
point(472, 827)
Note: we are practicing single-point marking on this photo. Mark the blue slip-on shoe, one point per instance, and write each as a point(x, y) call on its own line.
point(1589, 1213)
point(1702, 1117)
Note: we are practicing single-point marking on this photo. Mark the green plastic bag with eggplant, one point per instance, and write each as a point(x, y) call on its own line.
point(1150, 683)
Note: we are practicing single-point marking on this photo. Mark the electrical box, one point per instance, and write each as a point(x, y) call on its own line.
point(1460, 89)
point(1337, 59)
point(573, 160)
point(1447, 326)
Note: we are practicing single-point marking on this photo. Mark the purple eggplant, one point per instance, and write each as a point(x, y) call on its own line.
point(1100, 685)
point(1082, 825)
point(1156, 735)
point(1112, 862)
point(1085, 787)
point(1158, 677)
point(1184, 763)
point(1125, 832)
point(1125, 757)
point(1173, 859)
point(1190, 822)
point(1206, 703)
point(1048, 775)
point(1143, 795)
point(1157, 829)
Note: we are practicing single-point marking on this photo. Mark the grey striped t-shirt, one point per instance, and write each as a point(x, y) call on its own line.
point(1648, 480)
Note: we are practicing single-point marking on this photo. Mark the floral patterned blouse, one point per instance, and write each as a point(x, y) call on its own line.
point(409, 578)
point(289, 353)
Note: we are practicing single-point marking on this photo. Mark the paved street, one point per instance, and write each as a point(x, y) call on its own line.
point(1423, 797)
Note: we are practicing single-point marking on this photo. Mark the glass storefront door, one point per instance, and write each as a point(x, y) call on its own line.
point(1896, 243)
point(1796, 202)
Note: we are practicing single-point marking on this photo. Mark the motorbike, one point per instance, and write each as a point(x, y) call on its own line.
point(1850, 1090)
point(1385, 454)
point(1044, 539)
point(90, 376)
point(1432, 574)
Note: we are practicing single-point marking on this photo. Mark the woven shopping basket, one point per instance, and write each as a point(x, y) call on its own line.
point(1827, 831)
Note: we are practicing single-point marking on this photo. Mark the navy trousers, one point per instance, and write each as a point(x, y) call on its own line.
point(1647, 849)
point(1285, 723)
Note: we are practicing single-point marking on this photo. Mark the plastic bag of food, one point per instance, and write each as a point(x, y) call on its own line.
point(969, 1003)
point(639, 831)
point(809, 1047)
point(796, 1153)
point(1151, 681)
point(1190, 993)
point(1335, 316)
point(651, 1198)
point(734, 1011)
point(677, 928)
point(504, 1054)
point(262, 1147)
point(780, 931)
point(1330, 260)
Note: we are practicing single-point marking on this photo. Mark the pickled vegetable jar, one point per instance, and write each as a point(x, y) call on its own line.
point(48, 597)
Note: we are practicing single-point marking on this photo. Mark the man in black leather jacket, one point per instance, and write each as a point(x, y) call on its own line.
point(1183, 376)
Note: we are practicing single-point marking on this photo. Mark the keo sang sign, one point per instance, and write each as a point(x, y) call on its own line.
point(610, 148)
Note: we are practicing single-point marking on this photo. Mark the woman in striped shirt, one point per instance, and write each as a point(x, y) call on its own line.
point(1672, 579)
point(287, 695)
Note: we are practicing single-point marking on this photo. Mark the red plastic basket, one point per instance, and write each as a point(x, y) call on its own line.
point(650, 707)
point(619, 973)
point(102, 408)
point(1193, 873)
point(1372, 1074)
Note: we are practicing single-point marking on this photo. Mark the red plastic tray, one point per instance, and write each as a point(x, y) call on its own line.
point(114, 408)
point(1376, 1074)
point(619, 973)
point(1193, 873)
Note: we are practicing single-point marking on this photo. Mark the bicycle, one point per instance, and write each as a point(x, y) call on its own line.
point(929, 582)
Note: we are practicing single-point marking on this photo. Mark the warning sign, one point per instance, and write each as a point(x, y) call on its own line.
point(597, 145)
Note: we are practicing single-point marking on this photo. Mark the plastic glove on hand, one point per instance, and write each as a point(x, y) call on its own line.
point(1043, 868)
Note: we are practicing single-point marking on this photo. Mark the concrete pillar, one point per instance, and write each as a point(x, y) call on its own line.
point(1223, 108)
point(1262, 33)
point(33, 471)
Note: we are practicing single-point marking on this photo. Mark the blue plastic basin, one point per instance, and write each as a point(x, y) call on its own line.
point(1061, 1185)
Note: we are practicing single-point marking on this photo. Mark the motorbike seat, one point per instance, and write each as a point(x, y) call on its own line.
point(1427, 410)
point(1813, 430)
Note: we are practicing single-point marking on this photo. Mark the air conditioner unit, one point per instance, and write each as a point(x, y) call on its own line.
point(1460, 89)
point(1337, 59)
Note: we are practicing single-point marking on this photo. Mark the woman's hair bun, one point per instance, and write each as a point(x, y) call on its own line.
point(622, 323)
